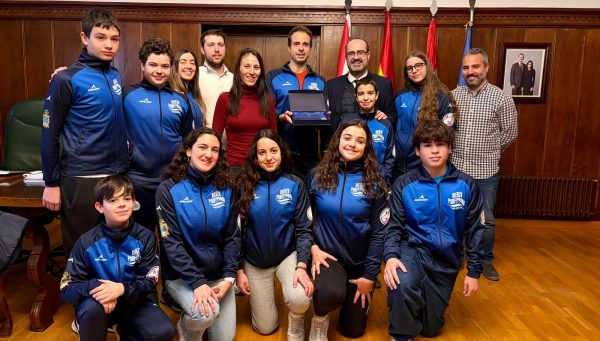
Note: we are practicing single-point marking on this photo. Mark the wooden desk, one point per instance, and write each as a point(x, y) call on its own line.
point(26, 201)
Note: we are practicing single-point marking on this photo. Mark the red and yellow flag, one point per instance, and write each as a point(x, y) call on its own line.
point(386, 63)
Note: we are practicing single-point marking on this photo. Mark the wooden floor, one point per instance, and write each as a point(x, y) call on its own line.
point(550, 289)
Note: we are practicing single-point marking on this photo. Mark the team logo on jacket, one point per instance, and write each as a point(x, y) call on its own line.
point(448, 119)
point(153, 274)
point(287, 83)
point(65, 280)
point(217, 200)
point(384, 217)
point(100, 258)
point(93, 88)
point(146, 101)
point(403, 105)
point(186, 200)
point(46, 119)
point(313, 86)
point(284, 197)
point(358, 190)
point(134, 257)
point(164, 228)
point(175, 107)
point(378, 136)
point(421, 198)
point(456, 202)
point(116, 87)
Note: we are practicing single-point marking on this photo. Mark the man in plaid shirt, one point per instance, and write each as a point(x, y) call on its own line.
point(487, 125)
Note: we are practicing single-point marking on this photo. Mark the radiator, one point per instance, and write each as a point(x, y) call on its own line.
point(546, 197)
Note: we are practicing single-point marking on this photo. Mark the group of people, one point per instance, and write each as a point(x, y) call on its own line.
point(317, 207)
point(522, 77)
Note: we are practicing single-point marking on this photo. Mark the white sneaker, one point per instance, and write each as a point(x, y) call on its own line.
point(75, 327)
point(318, 328)
point(295, 327)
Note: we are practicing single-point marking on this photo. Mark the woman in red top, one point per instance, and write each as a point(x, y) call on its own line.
point(245, 110)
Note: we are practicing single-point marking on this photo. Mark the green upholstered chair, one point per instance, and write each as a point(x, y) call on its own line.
point(23, 136)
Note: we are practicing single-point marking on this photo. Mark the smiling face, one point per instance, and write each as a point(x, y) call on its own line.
point(117, 210)
point(157, 69)
point(204, 154)
point(366, 96)
point(474, 71)
point(249, 69)
point(299, 48)
point(352, 143)
point(357, 56)
point(187, 67)
point(103, 43)
point(268, 154)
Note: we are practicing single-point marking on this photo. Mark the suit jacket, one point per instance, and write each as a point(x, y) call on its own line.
point(516, 74)
point(385, 102)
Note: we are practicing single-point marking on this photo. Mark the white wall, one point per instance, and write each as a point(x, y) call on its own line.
point(397, 3)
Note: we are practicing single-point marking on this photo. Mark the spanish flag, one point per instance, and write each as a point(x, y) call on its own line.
point(342, 68)
point(386, 63)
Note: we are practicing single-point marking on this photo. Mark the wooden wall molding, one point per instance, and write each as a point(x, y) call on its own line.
point(310, 15)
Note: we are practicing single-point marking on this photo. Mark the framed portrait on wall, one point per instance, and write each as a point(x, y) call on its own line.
point(524, 68)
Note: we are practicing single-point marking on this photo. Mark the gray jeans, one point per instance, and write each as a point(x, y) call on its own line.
point(220, 325)
point(262, 287)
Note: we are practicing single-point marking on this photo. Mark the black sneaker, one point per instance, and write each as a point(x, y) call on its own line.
point(167, 300)
point(489, 272)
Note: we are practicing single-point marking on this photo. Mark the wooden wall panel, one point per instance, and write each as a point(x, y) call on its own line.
point(37, 36)
point(329, 48)
point(66, 41)
point(563, 102)
point(185, 35)
point(236, 43)
point(586, 159)
point(449, 54)
point(127, 60)
point(485, 38)
point(400, 50)
point(153, 29)
point(276, 53)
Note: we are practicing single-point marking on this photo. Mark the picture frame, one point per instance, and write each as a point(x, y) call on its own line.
point(527, 81)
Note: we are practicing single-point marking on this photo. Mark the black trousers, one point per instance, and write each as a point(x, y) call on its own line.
point(332, 290)
point(144, 321)
point(145, 193)
point(419, 303)
point(78, 214)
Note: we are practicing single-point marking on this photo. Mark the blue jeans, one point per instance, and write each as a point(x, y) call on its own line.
point(220, 325)
point(488, 188)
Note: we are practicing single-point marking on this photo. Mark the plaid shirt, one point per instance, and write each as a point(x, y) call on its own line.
point(487, 124)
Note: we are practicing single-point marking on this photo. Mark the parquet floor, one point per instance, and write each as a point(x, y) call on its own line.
point(549, 290)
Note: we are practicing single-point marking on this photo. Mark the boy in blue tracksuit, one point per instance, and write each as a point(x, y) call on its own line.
point(366, 92)
point(436, 209)
point(157, 119)
point(111, 273)
point(83, 114)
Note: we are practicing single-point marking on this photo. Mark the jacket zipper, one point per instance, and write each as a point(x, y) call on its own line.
point(162, 152)
point(342, 201)
point(269, 217)
point(439, 214)
point(204, 207)
point(118, 255)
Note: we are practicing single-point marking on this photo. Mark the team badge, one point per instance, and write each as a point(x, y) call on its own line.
point(46, 119)
point(482, 218)
point(164, 228)
point(153, 274)
point(384, 217)
point(116, 87)
point(65, 280)
point(309, 214)
point(448, 119)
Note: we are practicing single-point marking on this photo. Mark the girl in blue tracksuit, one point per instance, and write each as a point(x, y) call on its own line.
point(424, 97)
point(274, 210)
point(350, 202)
point(200, 237)
point(184, 79)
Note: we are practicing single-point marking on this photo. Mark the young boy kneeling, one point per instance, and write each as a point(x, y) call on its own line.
point(111, 274)
point(435, 209)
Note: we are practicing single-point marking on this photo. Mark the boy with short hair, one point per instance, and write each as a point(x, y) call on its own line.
point(84, 111)
point(366, 94)
point(435, 209)
point(111, 274)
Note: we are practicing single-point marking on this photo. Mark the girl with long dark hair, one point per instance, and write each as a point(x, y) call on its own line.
point(349, 197)
point(184, 79)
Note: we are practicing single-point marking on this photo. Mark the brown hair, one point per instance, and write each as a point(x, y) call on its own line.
point(157, 46)
point(177, 167)
point(108, 186)
point(249, 176)
point(99, 17)
point(216, 32)
point(430, 131)
point(299, 28)
point(432, 87)
point(326, 173)
point(261, 86)
point(192, 86)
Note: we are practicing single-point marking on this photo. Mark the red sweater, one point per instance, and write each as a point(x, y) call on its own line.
point(242, 128)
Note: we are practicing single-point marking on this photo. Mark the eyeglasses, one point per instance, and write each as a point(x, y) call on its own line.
point(414, 68)
point(360, 53)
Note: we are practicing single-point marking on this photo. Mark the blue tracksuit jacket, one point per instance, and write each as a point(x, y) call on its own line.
point(383, 141)
point(437, 219)
point(196, 111)
point(349, 225)
point(157, 122)
point(126, 255)
point(84, 112)
point(408, 102)
point(279, 221)
point(198, 229)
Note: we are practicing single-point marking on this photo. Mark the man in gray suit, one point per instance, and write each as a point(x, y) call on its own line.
point(516, 75)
